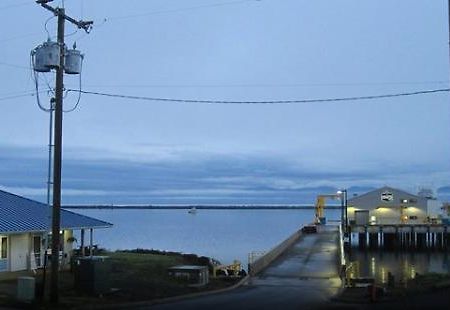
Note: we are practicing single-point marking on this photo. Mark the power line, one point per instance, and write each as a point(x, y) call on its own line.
point(13, 65)
point(180, 9)
point(295, 101)
point(264, 85)
point(31, 94)
point(17, 92)
point(34, 34)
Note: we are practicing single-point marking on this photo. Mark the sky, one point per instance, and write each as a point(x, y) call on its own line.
point(123, 151)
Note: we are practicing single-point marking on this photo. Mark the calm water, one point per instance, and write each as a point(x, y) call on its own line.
point(223, 234)
point(231, 234)
point(403, 265)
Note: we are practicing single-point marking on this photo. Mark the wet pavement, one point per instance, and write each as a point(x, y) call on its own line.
point(304, 277)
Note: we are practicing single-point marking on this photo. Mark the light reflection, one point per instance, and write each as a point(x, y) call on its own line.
point(373, 267)
point(383, 275)
point(413, 272)
point(404, 266)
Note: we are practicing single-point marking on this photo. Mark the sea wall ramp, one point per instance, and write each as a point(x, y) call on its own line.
point(261, 262)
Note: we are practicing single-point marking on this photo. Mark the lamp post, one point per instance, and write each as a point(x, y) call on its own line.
point(344, 214)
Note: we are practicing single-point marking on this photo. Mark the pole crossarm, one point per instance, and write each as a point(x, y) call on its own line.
point(81, 24)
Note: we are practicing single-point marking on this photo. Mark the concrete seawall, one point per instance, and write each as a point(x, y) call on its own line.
point(265, 260)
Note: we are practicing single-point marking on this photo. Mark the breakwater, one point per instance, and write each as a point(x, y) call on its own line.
point(197, 207)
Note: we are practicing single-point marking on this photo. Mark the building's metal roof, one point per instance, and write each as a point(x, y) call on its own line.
point(373, 199)
point(20, 214)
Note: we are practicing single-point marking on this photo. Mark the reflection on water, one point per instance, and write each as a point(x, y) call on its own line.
point(403, 265)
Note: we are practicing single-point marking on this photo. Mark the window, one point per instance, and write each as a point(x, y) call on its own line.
point(37, 244)
point(4, 247)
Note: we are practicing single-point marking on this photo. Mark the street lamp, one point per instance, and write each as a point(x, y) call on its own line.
point(344, 215)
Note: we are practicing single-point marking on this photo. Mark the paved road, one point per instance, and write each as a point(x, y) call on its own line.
point(304, 277)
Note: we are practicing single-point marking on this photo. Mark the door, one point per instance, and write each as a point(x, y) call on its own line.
point(19, 252)
point(37, 241)
point(362, 217)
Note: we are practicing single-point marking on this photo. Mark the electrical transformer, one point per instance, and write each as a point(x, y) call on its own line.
point(73, 61)
point(46, 57)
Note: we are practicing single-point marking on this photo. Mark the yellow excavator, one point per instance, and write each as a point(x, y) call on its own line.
point(320, 206)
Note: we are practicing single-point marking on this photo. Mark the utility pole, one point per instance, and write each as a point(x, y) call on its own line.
point(59, 88)
point(56, 211)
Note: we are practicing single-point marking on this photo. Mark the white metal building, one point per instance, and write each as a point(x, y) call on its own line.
point(388, 205)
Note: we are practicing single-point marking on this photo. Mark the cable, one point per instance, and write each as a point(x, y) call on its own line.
point(45, 26)
point(47, 82)
point(262, 85)
point(356, 98)
point(79, 91)
point(19, 96)
point(13, 66)
point(19, 92)
point(36, 83)
point(20, 37)
point(181, 9)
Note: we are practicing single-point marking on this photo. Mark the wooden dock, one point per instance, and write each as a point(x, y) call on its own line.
point(400, 236)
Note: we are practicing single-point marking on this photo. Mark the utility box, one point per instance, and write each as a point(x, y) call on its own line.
point(26, 289)
point(92, 275)
point(194, 275)
point(362, 217)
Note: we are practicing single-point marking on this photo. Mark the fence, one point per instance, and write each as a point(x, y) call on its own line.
point(343, 263)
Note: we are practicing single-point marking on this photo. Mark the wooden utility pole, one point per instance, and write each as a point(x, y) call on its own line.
point(56, 210)
point(57, 160)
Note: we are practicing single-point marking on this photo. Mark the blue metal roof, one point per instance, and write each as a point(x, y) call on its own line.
point(20, 214)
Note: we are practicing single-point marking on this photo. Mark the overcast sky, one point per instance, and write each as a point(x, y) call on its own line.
point(128, 151)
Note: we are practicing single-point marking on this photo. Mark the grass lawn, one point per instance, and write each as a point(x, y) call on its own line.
point(137, 275)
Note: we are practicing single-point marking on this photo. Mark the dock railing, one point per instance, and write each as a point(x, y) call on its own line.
point(256, 265)
point(343, 264)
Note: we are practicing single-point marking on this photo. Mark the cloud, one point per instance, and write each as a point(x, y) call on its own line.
point(186, 175)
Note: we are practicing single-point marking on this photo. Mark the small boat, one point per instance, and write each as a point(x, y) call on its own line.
point(192, 210)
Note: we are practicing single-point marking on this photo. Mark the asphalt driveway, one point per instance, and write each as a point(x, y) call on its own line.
point(304, 277)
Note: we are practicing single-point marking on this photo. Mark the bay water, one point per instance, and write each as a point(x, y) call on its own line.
point(225, 235)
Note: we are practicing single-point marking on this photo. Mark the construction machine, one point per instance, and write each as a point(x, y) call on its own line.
point(320, 206)
point(232, 270)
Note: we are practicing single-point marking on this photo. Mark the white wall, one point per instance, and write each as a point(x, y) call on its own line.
point(21, 248)
point(392, 215)
point(434, 208)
